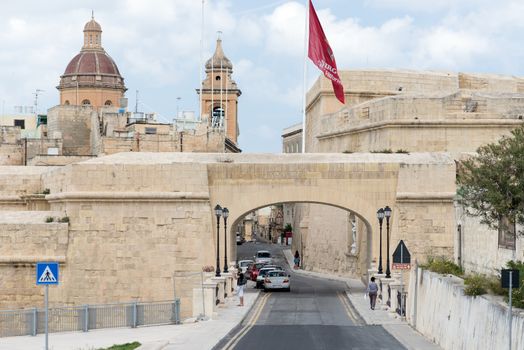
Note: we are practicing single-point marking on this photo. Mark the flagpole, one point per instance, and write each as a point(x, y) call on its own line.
point(201, 61)
point(304, 82)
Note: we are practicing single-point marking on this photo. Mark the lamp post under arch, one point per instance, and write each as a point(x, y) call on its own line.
point(225, 214)
point(218, 213)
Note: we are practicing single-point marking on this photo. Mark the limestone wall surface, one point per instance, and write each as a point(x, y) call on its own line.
point(455, 321)
point(26, 238)
point(477, 247)
point(73, 124)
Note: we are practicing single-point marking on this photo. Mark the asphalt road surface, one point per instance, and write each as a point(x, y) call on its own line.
point(316, 314)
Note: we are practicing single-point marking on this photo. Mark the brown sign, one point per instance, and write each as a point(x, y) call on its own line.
point(400, 266)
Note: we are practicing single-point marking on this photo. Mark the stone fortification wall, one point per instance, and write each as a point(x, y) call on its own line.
point(132, 227)
point(455, 321)
point(44, 160)
point(18, 182)
point(26, 238)
point(73, 124)
point(327, 247)
point(422, 123)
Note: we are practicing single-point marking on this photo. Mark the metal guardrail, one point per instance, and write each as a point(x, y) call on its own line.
point(86, 317)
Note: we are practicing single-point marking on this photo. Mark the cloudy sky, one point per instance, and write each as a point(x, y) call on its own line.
point(156, 44)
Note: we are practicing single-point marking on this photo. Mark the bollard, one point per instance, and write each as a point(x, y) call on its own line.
point(35, 321)
point(86, 318)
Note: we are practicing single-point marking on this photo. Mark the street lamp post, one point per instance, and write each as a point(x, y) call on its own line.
point(218, 213)
point(387, 214)
point(225, 214)
point(380, 216)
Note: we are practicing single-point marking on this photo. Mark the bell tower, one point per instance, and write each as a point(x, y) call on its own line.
point(220, 94)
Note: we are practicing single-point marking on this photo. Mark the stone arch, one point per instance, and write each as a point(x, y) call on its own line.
point(108, 103)
point(365, 252)
point(86, 102)
point(67, 103)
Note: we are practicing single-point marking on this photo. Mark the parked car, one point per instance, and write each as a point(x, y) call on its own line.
point(253, 270)
point(277, 279)
point(262, 274)
point(244, 264)
point(263, 256)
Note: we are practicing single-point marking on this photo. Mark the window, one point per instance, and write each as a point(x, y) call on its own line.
point(20, 123)
point(150, 131)
point(507, 233)
point(108, 103)
point(67, 102)
point(217, 77)
point(86, 103)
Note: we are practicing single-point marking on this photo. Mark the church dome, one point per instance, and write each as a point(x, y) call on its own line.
point(92, 68)
point(219, 60)
point(92, 63)
point(92, 26)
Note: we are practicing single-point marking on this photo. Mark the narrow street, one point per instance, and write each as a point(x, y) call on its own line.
point(316, 314)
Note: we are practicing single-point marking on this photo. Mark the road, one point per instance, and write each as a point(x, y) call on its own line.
point(316, 314)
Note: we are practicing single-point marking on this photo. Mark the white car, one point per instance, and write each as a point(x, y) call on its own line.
point(244, 264)
point(277, 279)
point(262, 274)
point(263, 256)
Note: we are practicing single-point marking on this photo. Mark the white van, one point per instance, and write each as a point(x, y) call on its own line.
point(263, 256)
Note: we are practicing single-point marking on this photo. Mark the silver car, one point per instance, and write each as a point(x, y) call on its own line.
point(277, 279)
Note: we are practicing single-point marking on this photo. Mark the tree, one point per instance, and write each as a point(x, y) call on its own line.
point(491, 184)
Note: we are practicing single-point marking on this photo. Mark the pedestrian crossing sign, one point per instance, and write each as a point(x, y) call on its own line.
point(46, 273)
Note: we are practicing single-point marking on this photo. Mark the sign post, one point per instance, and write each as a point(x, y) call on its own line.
point(46, 274)
point(510, 279)
point(401, 261)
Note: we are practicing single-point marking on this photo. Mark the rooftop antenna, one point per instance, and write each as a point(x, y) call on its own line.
point(36, 93)
point(136, 102)
point(92, 14)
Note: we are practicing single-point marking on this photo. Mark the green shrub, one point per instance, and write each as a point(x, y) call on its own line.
point(476, 285)
point(126, 346)
point(495, 287)
point(46, 191)
point(64, 219)
point(347, 151)
point(400, 150)
point(385, 150)
point(443, 266)
point(49, 219)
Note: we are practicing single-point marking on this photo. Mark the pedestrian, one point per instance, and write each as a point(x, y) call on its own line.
point(372, 291)
point(241, 282)
point(296, 260)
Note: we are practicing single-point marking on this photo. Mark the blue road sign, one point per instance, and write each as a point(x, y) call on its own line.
point(47, 273)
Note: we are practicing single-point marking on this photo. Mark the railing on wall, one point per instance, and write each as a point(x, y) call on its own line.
point(86, 317)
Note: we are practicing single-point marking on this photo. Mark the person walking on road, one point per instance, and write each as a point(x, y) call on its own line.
point(241, 282)
point(296, 260)
point(372, 291)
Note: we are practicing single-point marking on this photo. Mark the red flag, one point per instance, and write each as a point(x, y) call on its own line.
point(321, 54)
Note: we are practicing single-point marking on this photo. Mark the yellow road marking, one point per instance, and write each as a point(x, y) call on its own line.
point(349, 309)
point(252, 321)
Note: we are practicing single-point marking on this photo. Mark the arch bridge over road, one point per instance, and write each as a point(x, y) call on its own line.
point(138, 219)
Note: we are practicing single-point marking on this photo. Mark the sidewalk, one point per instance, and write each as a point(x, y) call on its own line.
point(199, 335)
point(401, 330)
